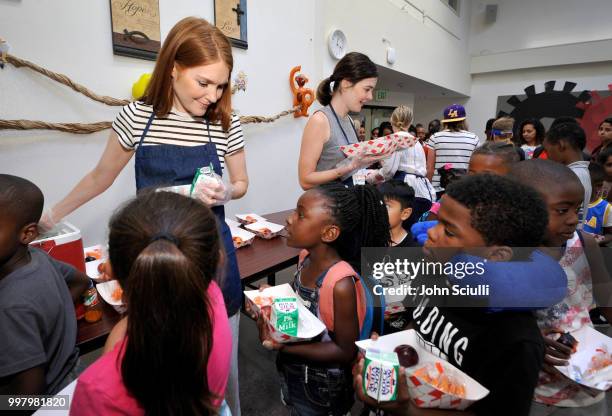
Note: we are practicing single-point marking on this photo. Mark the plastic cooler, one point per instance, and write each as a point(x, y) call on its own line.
point(63, 243)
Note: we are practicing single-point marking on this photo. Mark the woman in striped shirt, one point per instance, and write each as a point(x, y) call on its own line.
point(183, 123)
point(454, 144)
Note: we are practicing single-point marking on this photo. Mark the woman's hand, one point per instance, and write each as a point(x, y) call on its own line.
point(555, 354)
point(213, 194)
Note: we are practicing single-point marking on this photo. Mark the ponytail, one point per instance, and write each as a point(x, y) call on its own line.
point(167, 347)
point(361, 216)
point(324, 92)
point(164, 249)
point(353, 67)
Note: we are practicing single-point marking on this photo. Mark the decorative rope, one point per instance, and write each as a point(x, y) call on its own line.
point(87, 128)
point(63, 79)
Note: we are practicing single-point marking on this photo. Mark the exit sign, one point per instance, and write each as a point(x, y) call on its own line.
point(381, 95)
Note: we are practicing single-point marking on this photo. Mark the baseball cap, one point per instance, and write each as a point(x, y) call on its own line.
point(453, 112)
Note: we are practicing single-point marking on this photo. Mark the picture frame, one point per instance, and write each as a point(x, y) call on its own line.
point(231, 19)
point(135, 28)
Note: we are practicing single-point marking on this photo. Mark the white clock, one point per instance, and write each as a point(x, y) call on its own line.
point(336, 43)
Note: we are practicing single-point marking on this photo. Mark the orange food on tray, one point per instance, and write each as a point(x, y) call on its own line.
point(117, 294)
point(237, 240)
point(437, 377)
point(250, 219)
point(262, 301)
point(265, 231)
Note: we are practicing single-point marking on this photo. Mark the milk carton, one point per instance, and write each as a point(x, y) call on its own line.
point(381, 375)
point(284, 316)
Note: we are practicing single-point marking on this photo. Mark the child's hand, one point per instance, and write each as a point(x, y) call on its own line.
point(264, 335)
point(555, 354)
point(402, 406)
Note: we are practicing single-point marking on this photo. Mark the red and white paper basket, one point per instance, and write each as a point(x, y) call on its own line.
point(422, 393)
point(381, 146)
point(309, 326)
point(240, 237)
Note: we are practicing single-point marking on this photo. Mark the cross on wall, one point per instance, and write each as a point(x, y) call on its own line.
point(239, 12)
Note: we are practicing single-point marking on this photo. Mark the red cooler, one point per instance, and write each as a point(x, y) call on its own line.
point(64, 243)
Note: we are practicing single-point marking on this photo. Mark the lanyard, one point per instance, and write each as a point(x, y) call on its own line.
point(340, 125)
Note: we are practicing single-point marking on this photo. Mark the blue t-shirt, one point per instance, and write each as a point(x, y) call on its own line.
point(37, 321)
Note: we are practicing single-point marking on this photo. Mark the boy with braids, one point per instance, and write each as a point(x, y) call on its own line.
point(502, 349)
point(331, 223)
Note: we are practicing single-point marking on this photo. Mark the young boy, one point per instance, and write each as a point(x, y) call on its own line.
point(37, 319)
point(502, 350)
point(399, 197)
point(563, 195)
point(564, 143)
point(598, 221)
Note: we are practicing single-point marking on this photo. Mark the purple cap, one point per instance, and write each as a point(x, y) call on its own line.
point(453, 112)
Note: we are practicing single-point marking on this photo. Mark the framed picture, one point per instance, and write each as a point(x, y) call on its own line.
point(231, 18)
point(135, 25)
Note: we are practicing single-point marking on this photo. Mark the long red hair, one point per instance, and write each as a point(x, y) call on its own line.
point(191, 42)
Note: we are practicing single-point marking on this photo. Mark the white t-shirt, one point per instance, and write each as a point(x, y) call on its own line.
point(176, 128)
point(454, 147)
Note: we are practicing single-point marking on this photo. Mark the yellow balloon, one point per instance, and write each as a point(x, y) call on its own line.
point(139, 87)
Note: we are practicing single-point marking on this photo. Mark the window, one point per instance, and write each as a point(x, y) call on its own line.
point(453, 4)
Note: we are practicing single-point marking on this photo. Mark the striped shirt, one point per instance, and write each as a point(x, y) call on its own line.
point(176, 128)
point(454, 147)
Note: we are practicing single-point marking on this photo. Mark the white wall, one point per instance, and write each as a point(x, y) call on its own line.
point(531, 33)
point(75, 39)
point(487, 87)
point(367, 22)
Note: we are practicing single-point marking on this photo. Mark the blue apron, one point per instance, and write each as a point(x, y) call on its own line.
point(169, 165)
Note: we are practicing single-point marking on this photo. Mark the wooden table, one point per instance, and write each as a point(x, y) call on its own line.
point(262, 259)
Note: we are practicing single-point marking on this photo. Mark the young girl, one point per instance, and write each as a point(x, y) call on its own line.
point(493, 157)
point(605, 135)
point(408, 165)
point(171, 354)
point(184, 122)
point(346, 90)
point(531, 135)
point(331, 223)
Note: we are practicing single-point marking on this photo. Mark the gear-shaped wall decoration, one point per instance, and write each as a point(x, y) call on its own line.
point(595, 111)
point(549, 103)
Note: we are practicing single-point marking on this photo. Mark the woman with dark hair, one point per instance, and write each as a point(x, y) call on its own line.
point(531, 135)
point(183, 123)
point(346, 90)
point(170, 354)
point(385, 128)
point(604, 132)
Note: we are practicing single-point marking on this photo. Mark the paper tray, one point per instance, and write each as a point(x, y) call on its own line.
point(257, 227)
point(105, 290)
point(589, 340)
point(309, 326)
point(423, 394)
point(246, 238)
point(249, 218)
point(381, 146)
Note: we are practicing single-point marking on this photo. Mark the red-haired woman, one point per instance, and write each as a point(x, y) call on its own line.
point(183, 123)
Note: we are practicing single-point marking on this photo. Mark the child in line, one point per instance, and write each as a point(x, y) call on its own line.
point(604, 132)
point(598, 221)
point(38, 353)
point(331, 223)
point(407, 165)
point(502, 133)
point(605, 159)
point(503, 350)
point(531, 135)
point(564, 143)
point(563, 195)
point(496, 158)
point(398, 197)
point(171, 354)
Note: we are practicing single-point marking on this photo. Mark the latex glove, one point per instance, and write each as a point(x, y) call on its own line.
point(213, 194)
point(47, 221)
point(359, 160)
point(374, 177)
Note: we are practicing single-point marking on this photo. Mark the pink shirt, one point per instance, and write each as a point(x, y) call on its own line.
point(100, 389)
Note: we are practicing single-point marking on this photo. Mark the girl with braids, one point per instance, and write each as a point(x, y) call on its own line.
point(331, 223)
point(171, 354)
point(346, 90)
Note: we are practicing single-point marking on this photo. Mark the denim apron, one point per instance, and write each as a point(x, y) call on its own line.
point(170, 165)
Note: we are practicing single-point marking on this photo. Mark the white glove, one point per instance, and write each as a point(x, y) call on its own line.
point(47, 221)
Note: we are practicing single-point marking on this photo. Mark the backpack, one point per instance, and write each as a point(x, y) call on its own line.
point(370, 316)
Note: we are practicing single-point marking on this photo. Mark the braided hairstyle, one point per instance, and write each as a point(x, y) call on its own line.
point(362, 217)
